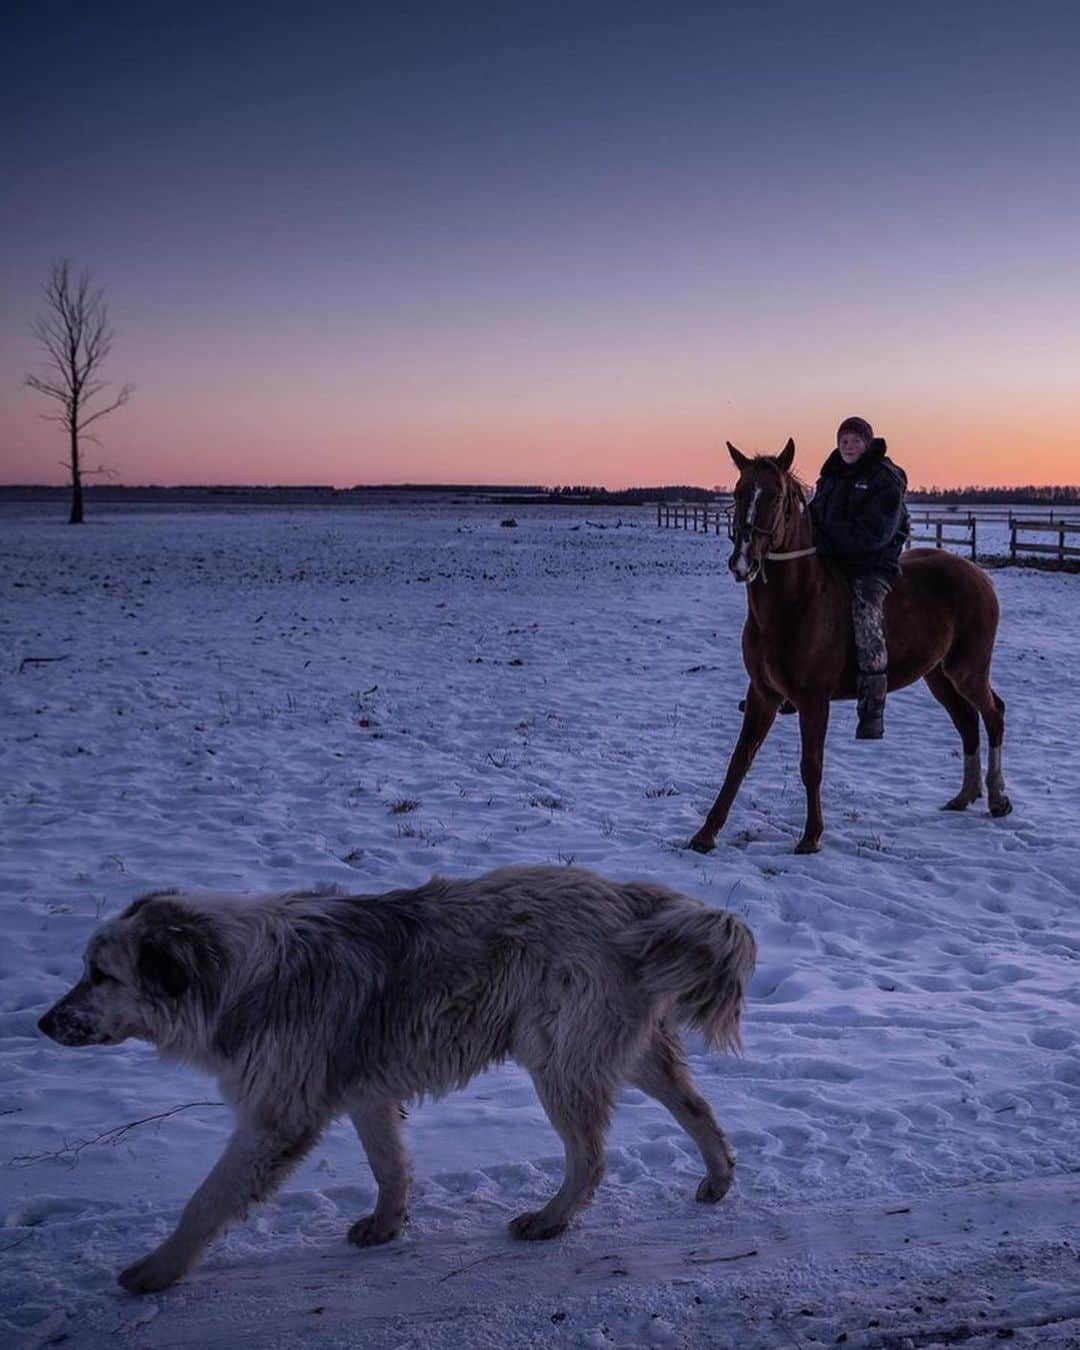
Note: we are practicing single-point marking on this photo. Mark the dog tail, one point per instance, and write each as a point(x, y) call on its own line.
point(700, 957)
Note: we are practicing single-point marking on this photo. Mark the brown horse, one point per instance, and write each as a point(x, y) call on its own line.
point(940, 621)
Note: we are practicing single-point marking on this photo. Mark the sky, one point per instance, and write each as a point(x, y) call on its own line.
point(550, 243)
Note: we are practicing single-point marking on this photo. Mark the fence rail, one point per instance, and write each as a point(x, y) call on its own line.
point(1002, 515)
point(942, 531)
point(684, 516)
point(939, 538)
point(1062, 529)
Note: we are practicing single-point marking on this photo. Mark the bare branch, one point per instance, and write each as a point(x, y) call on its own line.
point(38, 661)
point(119, 402)
point(69, 1154)
point(44, 386)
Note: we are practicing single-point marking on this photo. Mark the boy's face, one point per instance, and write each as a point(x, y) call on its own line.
point(852, 447)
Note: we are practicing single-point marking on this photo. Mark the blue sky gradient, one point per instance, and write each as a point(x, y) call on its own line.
point(553, 243)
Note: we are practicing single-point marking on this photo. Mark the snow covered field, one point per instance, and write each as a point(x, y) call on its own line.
point(264, 700)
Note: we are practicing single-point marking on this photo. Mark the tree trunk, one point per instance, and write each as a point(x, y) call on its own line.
point(76, 517)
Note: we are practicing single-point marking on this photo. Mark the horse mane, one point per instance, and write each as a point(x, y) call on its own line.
point(794, 489)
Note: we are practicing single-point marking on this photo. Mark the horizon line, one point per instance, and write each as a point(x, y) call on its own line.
point(472, 486)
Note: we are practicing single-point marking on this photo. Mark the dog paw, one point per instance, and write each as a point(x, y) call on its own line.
point(375, 1229)
point(153, 1273)
point(535, 1228)
point(713, 1189)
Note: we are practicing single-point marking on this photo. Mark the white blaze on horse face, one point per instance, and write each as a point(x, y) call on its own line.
point(741, 562)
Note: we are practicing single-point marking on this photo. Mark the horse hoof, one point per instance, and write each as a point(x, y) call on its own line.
point(957, 804)
point(1001, 807)
point(701, 843)
point(713, 1189)
point(808, 846)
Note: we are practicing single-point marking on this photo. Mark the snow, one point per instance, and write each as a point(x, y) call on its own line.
point(271, 699)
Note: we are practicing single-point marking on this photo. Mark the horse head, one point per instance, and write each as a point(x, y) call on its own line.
point(768, 502)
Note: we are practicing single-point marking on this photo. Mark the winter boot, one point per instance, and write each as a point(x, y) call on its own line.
point(870, 702)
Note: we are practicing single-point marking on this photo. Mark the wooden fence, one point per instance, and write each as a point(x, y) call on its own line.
point(934, 528)
point(943, 531)
point(1060, 550)
point(683, 516)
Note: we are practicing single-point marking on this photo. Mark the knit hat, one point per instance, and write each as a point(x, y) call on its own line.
point(859, 425)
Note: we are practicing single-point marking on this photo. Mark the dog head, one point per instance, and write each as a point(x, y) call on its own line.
point(141, 973)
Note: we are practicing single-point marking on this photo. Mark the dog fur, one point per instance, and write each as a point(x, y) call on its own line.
point(308, 1005)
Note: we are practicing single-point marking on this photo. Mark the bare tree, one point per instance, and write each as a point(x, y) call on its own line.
point(74, 333)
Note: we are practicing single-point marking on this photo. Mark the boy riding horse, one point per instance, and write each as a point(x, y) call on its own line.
point(860, 524)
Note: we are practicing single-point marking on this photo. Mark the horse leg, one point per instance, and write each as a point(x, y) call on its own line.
point(965, 719)
point(758, 717)
point(813, 723)
point(976, 689)
point(993, 715)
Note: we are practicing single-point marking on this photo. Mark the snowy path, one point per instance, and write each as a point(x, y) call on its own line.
point(266, 700)
point(966, 1265)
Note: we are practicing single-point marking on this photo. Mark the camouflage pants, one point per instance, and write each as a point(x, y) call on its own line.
point(867, 611)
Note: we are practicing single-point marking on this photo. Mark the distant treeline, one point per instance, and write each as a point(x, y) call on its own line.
point(597, 496)
point(1029, 495)
point(469, 489)
point(510, 494)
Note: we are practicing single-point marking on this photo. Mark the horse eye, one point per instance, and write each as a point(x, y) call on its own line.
point(98, 976)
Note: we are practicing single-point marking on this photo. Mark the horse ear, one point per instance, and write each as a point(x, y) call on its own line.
point(741, 460)
point(786, 457)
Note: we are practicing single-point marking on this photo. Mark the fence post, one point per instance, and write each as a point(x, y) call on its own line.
point(1061, 547)
point(974, 552)
point(937, 532)
point(1012, 538)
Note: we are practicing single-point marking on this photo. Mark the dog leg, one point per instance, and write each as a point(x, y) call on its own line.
point(580, 1113)
point(254, 1164)
point(378, 1123)
point(662, 1072)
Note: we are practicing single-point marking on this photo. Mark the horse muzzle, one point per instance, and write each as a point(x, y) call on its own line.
point(743, 568)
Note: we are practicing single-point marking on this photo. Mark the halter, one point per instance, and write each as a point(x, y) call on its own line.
point(788, 556)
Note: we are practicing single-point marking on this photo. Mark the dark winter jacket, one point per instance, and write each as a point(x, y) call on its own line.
point(860, 519)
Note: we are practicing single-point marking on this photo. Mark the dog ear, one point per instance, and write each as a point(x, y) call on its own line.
point(786, 457)
point(741, 460)
point(163, 969)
